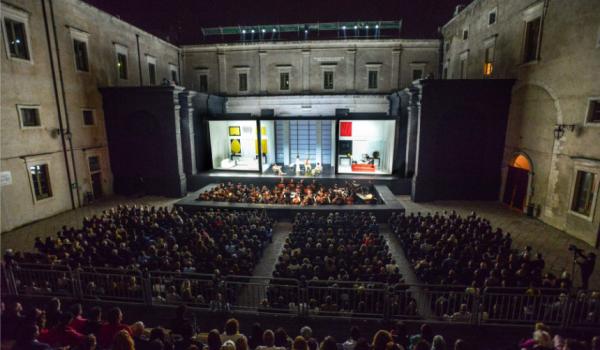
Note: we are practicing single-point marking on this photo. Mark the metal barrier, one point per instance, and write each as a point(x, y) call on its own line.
point(454, 304)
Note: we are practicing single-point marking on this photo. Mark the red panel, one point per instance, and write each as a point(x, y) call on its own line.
point(345, 128)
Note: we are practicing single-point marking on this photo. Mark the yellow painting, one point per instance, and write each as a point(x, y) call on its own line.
point(263, 143)
point(263, 130)
point(236, 146)
point(234, 131)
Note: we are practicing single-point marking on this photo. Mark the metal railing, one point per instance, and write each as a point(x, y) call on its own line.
point(455, 304)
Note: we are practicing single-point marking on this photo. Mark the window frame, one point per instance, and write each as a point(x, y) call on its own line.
point(494, 12)
point(81, 36)
point(174, 69)
point(588, 110)
point(373, 68)
point(463, 73)
point(488, 44)
point(281, 86)
point(37, 162)
point(588, 167)
point(199, 73)
point(530, 14)
point(16, 15)
point(416, 66)
point(20, 108)
point(465, 34)
point(121, 50)
point(83, 110)
point(151, 60)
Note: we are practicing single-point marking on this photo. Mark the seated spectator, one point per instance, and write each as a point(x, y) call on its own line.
point(228, 345)
point(181, 323)
point(255, 339)
point(62, 334)
point(123, 341)
point(27, 339)
point(89, 343)
point(12, 319)
point(213, 341)
point(282, 339)
point(426, 333)
point(137, 334)
point(422, 345)
point(381, 339)
point(328, 343)
point(94, 322)
point(350, 343)
point(53, 312)
point(306, 332)
point(79, 321)
point(241, 343)
point(300, 343)
point(232, 331)
point(438, 343)
point(112, 327)
point(269, 341)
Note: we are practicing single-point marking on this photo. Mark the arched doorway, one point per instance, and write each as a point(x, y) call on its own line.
point(517, 182)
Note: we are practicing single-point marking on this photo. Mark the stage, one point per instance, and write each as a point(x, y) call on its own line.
point(388, 203)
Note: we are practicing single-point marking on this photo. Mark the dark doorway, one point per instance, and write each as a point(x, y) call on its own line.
point(97, 185)
point(515, 190)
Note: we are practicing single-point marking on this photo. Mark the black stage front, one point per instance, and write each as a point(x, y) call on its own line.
point(389, 203)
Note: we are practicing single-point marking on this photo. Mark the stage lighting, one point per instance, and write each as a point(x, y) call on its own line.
point(367, 26)
point(243, 31)
point(252, 30)
point(355, 27)
point(263, 30)
point(344, 27)
point(377, 26)
point(274, 30)
point(305, 30)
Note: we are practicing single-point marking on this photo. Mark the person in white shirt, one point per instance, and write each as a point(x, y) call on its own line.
point(350, 344)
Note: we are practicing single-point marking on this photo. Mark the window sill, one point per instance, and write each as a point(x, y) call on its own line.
point(22, 60)
point(591, 124)
point(32, 127)
point(530, 63)
point(581, 216)
point(43, 200)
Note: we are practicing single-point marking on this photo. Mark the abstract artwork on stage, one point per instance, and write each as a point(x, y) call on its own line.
point(346, 129)
point(234, 131)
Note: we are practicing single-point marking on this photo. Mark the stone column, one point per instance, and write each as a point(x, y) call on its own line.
point(188, 143)
point(179, 180)
point(414, 109)
point(305, 71)
point(395, 70)
point(222, 73)
point(262, 55)
point(350, 70)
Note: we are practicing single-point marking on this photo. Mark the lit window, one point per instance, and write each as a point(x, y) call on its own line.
point(16, 38)
point(583, 194)
point(30, 116)
point(284, 81)
point(532, 40)
point(41, 181)
point(488, 64)
point(593, 115)
point(88, 117)
point(203, 83)
point(328, 80)
point(243, 82)
point(81, 56)
point(373, 75)
point(122, 65)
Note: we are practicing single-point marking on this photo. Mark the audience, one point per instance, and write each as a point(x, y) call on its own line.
point(295, 193)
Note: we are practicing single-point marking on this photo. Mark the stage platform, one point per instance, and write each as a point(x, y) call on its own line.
point(398, 185)
point(388, 204)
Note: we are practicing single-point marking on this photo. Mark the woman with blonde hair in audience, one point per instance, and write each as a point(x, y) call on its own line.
point(123, 341)
point(381, 339)
point(299, 343)
point(228, 345)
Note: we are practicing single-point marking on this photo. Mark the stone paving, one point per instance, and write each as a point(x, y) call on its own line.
point(551, 242)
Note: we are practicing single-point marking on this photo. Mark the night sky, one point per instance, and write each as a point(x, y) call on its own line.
point(179, 21)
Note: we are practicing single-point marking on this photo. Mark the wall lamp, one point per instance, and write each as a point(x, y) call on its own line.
point(559, 130)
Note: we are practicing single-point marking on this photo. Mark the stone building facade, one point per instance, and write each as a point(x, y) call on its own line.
point(377, 66)
point(56, 54)
point(552, 151)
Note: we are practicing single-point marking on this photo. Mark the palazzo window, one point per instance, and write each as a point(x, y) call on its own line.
point(532, 40)
point(488, 61)
point(151, 69)
point(121, 52)
point(417, 70)
point(203, 83)
point(81, 56)
point(40, 179)
point(284, 81)
point(88, 117)
point(29, 116)
point(243, 81)
point(16, 38)
point(593, 112)
point(174, 75)
point(463, 65)
point(492, 17)
point(328, 80)
point(373, 77)
point(583, 194)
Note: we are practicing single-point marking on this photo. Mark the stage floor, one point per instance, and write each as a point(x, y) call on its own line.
point(389, 203)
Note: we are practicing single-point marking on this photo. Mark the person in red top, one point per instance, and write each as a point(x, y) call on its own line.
point(62, 334)
point(112, 327)
point(78, 322)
